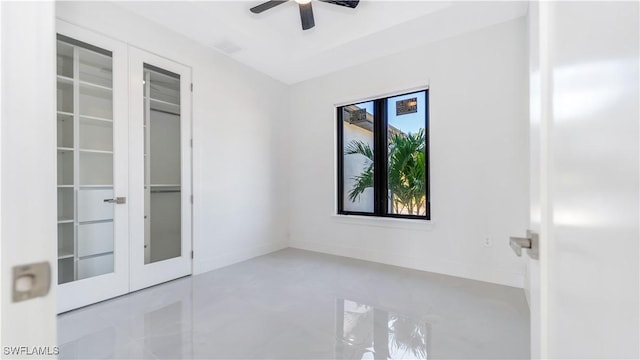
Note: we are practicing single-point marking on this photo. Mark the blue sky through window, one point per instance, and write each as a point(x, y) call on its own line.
point(409, 123)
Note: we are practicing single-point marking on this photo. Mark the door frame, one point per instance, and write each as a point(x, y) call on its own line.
point(540, 101)
point(88, 291)
point(141, 275)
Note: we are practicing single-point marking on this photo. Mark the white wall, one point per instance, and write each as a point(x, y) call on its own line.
point(240, 144)
point(479, 157)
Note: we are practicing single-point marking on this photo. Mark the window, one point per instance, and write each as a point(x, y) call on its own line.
point(383, 157)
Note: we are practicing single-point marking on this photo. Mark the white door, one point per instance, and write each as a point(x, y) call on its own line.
point(92, 161)
point(28, 174)
point(584, 291)
point(160, 168)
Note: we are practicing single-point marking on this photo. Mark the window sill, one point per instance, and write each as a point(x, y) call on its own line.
point(385, 222)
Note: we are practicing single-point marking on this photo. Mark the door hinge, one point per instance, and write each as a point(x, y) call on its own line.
point(192, 199)
point(191, 87)
point(191, 142)
point(192, 254)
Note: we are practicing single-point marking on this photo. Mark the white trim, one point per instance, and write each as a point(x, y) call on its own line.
point(384, 95)
point(490, 273)
point(546, 66)
point(385, 222)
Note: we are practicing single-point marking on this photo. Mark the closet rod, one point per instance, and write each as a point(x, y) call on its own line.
point(164, 191)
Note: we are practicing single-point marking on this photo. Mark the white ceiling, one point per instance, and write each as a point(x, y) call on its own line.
point(274, 43)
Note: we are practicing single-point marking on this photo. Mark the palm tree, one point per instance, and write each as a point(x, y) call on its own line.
point(365, 179)
point(406, 171)
point(408, 335)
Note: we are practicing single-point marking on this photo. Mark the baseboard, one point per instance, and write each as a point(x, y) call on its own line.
point(493, 275)
point(212, 263)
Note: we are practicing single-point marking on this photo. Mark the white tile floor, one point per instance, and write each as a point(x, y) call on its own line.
point(301, 305)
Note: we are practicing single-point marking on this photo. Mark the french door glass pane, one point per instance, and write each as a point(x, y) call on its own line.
point(406, 164)
point(85, 161)
point(162, 173)
point(357, 130)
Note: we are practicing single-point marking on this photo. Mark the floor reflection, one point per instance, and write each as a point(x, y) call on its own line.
point(365, 332)
point(164, 326)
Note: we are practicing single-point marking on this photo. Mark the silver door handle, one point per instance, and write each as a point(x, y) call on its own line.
point(31, 281)
point(531, 243)
point(118, 200)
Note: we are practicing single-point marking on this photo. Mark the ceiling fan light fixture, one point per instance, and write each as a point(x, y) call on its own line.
point(306, 10)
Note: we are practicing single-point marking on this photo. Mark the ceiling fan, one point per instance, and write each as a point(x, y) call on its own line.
point(306, 11)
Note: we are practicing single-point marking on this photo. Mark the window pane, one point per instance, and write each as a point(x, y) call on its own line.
point(357, 130)
point(406, 166)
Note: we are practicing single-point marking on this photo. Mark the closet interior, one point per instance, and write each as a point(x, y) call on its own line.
point(84, 160)
point(162, 173)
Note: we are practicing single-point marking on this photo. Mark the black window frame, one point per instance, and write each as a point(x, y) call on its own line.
point(380, 151)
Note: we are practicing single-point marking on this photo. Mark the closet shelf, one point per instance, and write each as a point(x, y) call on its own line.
point(164, 106)
point(65, 186)
point(95, 53)
point(62, 148)
point(105, 186)
point(95, 255)
point(95, 86)
point(164, 185)
point(164, 102)
point(65, 79)
point(64, 113)
point(89, 151)
point(65, 255)
point(96, 118)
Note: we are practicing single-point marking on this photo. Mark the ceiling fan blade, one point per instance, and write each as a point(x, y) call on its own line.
point(266, 6)
point(306, 16)
point(346, 3)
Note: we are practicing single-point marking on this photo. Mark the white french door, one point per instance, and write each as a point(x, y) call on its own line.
point(160, 169)
point(124, 168)
point(92, 166)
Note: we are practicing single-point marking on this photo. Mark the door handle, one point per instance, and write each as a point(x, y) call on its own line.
point(31, 281)
point(531, 243)
point(118, 200)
